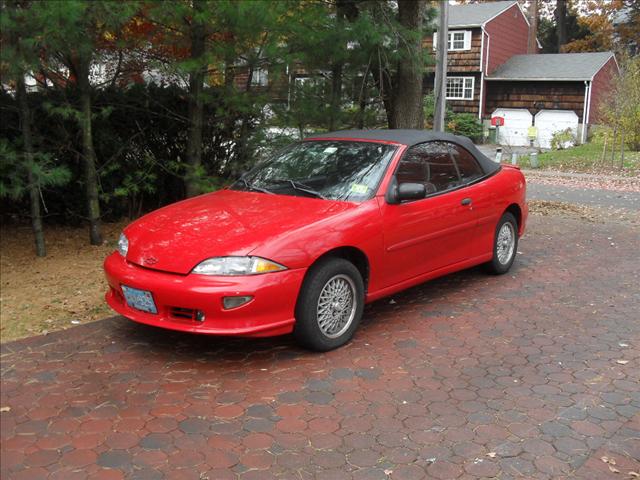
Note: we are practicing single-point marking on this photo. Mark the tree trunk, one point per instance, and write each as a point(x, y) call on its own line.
point(342, 12)
point(381, 76)
point(384, 83)
point(89, 154)
point(532, 44)
point(382, 80)
point(561, 22)
point(241, 162)
point(362, 106)
point(196, 105)
point(407, 111)
point(336, 94)
point(34, 197)
point(230, 117)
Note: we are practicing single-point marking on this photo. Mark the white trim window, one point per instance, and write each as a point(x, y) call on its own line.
point(260, 77)
point(458, 40)
point(460, 88)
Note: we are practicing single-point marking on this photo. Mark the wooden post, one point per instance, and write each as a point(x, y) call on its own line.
point(613, 145)
point(441, 68)
point(621, 148)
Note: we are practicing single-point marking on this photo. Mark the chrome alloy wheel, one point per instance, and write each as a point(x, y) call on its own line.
point(336, 306)
point(506, 243)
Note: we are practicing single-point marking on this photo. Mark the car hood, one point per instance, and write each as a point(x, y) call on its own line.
point(178, 237)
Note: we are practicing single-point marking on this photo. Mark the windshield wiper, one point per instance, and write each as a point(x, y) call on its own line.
point(251, 186)
point(301, 187)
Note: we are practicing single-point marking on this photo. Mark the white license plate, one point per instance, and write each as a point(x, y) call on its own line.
point(139, 299)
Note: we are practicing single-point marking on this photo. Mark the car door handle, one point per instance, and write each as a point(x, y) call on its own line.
point(466, 201)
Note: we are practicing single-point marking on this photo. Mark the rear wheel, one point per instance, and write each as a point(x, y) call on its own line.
point(330, 305)
point(505, 245)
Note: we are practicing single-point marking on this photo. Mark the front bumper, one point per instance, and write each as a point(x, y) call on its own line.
point(271, 312)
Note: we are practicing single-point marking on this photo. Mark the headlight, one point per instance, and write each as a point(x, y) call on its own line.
point(123, 245)
point(237, 266)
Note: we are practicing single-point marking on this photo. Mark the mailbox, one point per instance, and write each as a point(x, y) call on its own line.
point(497, 121)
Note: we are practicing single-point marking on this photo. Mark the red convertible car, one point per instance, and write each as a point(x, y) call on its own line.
point(302, 241)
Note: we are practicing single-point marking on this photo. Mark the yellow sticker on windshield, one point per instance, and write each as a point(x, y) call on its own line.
point(359, 188)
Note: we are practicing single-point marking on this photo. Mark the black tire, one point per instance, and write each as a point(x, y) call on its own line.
point(495, 266)
point(307, 330)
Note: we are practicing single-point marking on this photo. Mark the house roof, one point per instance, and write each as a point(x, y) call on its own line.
point(552, 66)
point(476, 14)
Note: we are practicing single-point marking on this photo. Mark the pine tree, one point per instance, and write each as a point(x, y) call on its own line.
point(24, 170)
point(72, 35)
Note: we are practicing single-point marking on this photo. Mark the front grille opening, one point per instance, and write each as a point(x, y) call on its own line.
point(186, 313)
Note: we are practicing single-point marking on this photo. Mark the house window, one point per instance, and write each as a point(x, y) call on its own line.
point(260, 77)
point(457, 40)
point(300, 82)
point(460, 88)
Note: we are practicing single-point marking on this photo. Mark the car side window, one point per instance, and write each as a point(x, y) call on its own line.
point(430, 164)
point(468, 166)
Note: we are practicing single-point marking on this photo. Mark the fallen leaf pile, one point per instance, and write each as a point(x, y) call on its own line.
point(584, 181)
point(583, 212)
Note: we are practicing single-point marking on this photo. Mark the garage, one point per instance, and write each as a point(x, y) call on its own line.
point(549, 122)
point(568, 87)
point(515, 131)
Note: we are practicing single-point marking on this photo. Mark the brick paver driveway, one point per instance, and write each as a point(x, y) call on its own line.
point(533, 374)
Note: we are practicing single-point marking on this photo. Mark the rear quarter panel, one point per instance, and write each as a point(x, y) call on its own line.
point(492, 199)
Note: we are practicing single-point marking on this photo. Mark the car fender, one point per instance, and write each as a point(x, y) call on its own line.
point(358, 228)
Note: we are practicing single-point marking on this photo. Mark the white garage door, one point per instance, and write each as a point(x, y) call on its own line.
point(515, 131)
point(552, 121)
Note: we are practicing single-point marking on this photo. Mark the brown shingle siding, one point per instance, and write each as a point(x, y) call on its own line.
point(535, 96)
point(461, 60)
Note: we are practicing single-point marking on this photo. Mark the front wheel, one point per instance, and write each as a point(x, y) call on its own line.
point(505, 245)
point(330, 305)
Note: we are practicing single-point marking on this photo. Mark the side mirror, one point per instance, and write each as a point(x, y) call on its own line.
point(411, 191)
point(404, 191)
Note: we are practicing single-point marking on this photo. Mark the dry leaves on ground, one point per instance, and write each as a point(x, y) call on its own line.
point(583, 212)
point(58, 291)
point(582, 181)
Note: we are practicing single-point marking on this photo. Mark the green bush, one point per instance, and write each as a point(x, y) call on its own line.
point(561, 138)
point(466, 124)
point(429, 109)
point(140, 139)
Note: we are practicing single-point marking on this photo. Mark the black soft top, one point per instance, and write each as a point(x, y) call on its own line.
point(410, 138)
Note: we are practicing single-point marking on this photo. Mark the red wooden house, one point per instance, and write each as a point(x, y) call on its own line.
point(491, 74)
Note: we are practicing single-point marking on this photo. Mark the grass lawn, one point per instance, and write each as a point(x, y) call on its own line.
point(587, 158)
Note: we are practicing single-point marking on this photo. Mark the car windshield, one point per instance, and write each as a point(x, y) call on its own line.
point(335, 170)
